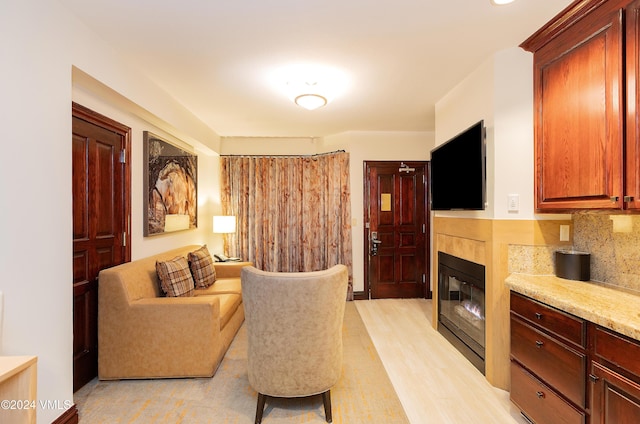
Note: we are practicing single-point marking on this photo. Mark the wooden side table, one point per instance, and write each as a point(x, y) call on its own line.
point(18, 382)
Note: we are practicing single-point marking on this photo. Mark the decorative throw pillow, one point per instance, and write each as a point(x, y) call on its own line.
point(175, 277)
point(202, 269)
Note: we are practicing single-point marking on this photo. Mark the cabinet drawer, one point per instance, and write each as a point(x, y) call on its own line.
point(539, 402)
point(558, 365)
point(616, 349)
point(568, 327)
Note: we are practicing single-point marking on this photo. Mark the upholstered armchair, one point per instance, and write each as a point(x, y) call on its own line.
point(294, 325)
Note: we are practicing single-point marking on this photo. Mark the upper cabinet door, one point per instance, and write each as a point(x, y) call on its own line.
point(579, 115)
point(632, 162)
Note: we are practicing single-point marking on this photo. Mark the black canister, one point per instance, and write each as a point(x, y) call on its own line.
point(573, 265)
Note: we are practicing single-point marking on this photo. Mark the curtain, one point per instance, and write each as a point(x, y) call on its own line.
point(293, 212)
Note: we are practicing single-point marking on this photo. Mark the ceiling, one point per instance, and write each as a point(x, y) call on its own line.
point(398, 57)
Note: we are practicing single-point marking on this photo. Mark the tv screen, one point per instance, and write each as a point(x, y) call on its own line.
point(458, 173)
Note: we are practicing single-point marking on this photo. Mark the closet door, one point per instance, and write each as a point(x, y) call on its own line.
point(100, 236)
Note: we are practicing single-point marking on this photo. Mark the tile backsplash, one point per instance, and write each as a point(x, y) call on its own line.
point(612, 240)
point(535, 260)
point(614, 244)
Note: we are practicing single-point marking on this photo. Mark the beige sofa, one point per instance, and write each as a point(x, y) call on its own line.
point(142, 334)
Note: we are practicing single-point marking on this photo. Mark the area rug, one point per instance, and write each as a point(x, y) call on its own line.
point(363, 394)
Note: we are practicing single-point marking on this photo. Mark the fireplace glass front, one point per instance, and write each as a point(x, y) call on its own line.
point(461, 306)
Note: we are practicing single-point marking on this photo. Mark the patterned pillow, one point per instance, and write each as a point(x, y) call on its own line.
point(202, 269)
point(175, 277)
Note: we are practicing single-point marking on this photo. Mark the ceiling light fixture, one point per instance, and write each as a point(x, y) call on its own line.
point(309, 86)
point(310, 101)
point(307, 94)
point(501, 2)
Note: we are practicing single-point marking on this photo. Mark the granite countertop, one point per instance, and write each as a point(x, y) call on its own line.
point(610, 307)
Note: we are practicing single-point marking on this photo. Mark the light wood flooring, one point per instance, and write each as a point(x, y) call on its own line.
point(434, 382)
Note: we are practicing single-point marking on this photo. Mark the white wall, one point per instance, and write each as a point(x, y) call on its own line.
point(513, 133)
point(467, 103)
point(208, 180)
point(369, 146)
point(42, 48)
point(500, 91)
point(35, 183)
point(270, 146)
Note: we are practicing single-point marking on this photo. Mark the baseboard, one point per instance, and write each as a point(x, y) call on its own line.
point(70, 416)
point(360, 295)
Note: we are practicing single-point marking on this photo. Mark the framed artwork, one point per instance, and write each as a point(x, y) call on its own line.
point(171, 187)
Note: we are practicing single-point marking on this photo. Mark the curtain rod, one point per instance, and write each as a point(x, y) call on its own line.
point(286, 156)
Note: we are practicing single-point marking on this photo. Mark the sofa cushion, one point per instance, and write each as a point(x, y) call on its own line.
point(202, 269)
point(229, 304)
point(175, 277)
point(222, 286)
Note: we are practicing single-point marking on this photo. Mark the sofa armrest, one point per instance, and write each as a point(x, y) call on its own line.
point(230, 269)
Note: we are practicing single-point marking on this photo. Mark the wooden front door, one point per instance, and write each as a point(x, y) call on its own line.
point(101, 209)
point(396, 229)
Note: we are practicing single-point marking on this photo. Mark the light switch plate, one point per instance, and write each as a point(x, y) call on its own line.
point(513, 202)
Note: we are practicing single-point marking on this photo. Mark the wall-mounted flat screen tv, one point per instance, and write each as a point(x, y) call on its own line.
point(458, 171)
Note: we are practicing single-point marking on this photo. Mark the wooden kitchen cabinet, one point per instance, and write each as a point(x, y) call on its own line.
point(551, 352)
point(632, 149)
point(539, 403)
point(614, 378)
point(548, 362)
point(585, 107)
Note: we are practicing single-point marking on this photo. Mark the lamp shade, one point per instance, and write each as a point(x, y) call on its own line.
point(224, 224)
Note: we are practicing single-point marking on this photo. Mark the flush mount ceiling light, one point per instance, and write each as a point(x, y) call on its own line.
point(501, 2)
point(309, 86)
point(310, 101)
point(308, 94)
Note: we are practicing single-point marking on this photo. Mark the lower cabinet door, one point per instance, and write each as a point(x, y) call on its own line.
point(614, 398)
point(538, 402)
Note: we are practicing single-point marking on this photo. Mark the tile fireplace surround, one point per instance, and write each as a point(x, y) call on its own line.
point(488, 242)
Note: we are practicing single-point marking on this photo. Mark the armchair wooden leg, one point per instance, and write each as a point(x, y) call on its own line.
point(326, 399)
point(260, 407)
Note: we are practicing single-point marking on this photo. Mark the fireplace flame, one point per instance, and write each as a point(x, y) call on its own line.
point(473, 308)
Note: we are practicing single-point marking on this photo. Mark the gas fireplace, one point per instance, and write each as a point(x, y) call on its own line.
point(461, 310)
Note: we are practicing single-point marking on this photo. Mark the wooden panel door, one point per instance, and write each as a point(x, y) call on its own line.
point(396, 211)
point(579, 94)
point(100, 215)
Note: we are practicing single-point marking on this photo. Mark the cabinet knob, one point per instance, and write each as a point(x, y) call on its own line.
point(628, 198)
point(614, 198)
point(539, 344)
point(540, 395)
point(538, 315)
point(593, 378)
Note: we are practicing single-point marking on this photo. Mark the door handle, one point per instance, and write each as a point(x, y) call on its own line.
point(374, 244)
